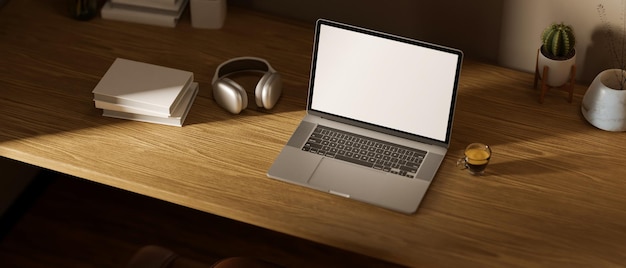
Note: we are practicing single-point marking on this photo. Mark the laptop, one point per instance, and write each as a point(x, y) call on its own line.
point(379, 117)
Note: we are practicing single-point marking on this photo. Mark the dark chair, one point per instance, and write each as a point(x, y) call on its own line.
point(158, 257)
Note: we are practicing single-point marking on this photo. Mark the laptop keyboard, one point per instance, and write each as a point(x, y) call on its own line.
point(361, 150)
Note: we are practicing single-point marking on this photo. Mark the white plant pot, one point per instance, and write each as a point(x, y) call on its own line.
point(604, 105)
point(207, 14)
point(559, 70)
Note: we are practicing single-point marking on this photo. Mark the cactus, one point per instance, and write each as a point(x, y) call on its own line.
point(558, 41)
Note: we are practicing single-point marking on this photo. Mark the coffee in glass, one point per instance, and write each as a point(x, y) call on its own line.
point(476, 158)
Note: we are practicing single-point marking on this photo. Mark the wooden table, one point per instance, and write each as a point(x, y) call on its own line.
point(554, 194)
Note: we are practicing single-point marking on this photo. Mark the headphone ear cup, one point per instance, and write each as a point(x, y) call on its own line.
point(268, 90)
point(230, 95)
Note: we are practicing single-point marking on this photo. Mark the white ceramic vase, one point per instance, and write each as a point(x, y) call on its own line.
point(207, 14)
point(604, 104)
point(558, 70)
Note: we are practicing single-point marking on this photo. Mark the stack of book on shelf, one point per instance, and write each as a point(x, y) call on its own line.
point(145, 92)
point(154, 12)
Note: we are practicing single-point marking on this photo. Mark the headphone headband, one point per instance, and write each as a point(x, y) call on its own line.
point(242, 64)
point(233, 97)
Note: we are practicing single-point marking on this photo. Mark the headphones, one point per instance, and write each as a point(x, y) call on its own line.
point(233, 97)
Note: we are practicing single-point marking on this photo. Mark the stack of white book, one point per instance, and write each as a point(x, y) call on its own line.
point(154, 12)
point(145, 92)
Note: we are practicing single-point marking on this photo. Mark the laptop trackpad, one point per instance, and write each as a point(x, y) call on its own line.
point(346, 179)
point(369, 185)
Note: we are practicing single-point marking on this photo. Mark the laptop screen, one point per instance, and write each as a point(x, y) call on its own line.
point(385, 80)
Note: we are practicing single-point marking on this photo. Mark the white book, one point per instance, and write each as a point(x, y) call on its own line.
point(170, 2)
point(129, 109)
point(173, 5)
point(176, 119)
point(144, 15)
point(142, 86)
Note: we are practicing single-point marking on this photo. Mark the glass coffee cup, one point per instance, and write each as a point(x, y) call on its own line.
point(476, 158)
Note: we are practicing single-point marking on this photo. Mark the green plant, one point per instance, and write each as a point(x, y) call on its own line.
point(558, 41)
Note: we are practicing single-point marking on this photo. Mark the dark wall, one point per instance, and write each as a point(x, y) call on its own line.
point(472, 26)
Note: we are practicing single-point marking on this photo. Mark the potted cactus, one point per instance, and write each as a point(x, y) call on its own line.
point(557, 52)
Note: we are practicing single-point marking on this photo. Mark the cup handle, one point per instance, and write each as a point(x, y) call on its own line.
point(461, 163)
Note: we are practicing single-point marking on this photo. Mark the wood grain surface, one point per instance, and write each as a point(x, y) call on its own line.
point(553, 194)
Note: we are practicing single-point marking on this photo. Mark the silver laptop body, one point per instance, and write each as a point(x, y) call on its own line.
point(368, 84)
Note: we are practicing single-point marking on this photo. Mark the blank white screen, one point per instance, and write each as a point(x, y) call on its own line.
point(384, 82)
